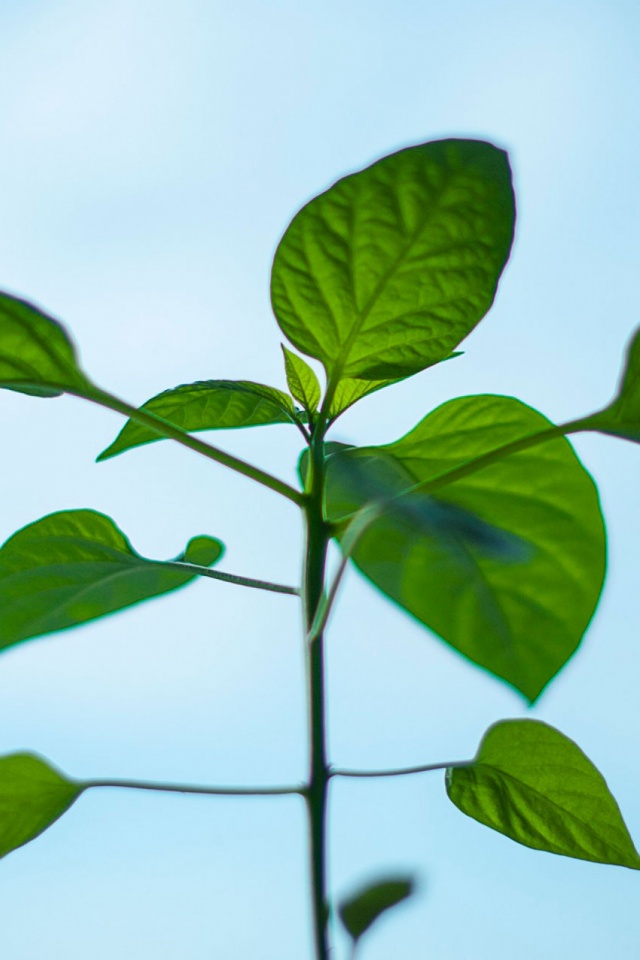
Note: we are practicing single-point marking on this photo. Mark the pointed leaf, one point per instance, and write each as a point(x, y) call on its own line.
point(361, 910)
point(508, 562)
point(349, 390)
point(388, 270)
point(622, 417)
point(301, 380)
point(36, 355)
point(76, 565)
point(533, 784)
point(32, 797)
point(207, 405)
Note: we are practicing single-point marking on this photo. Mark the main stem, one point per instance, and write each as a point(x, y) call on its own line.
point(317, 538)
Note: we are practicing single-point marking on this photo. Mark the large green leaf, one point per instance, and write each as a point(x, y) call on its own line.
point(622, 417)
point(506, 563)
point(536, 786)
point(362, 909)
point(32, 797)
point(388, 270)
point(36, 355)
point(76, 565)
point(207, 405)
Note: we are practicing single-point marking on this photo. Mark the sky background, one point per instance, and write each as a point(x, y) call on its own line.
point(152, 154)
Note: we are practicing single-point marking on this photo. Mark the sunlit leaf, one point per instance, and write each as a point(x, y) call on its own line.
point(301, 380)
point(388, 270)
point(533, 784)
point(207, 405)
point(76, 565)
point(622, 417)
point(36, 355)
point(33, 795)
point(506, 563)
point(362, 909)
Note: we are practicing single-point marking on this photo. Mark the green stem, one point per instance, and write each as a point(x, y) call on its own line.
point(317, 538)
point(230, 577)
point(400, 771)
point(165, 429)
point(188, 788)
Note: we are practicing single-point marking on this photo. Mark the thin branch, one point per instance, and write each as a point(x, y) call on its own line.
point(188, 788)
point(400, 772)
point(183, 567)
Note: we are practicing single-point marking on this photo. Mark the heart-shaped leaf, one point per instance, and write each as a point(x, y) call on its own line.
point(536, 786)
point(32, 797)
point(75, 566)
point(36, 355)
point(362, 909)
point(207, 405)
point(506, 563)
point(388, 270)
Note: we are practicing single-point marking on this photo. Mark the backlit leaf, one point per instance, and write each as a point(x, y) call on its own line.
point(75, 566)
point(361, 910)
point(302, 381)
point(388, 270)
point(534, 785)
point(207, 405)
point(32, 797)
point(506, 563)
point(36, 355)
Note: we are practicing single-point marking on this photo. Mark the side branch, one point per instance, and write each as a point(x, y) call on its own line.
point(205, 791)
point(400, 771)
point(231, 578)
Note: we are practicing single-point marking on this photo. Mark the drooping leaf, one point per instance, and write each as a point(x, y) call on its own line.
point(508, 561)
point(301, 380)
point(207, 405)
point(349, 390)
point(536, 786)
point(622, 417)
point(362, 909)
point(76, 565)
point(388, 270)
point(36, 355)
point(33, 795)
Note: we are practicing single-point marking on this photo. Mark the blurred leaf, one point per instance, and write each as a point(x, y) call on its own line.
point(75, 566)
point(537, 787)
point(36, 355)
point(32, 797)
point(301, 380)
point(207, 405)
point(388, 270)
point(506, 563)
point(622, 417)
point(361, 910)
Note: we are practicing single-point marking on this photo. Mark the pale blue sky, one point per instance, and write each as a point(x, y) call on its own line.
point(152, 155)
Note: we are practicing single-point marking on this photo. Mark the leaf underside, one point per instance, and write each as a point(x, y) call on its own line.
point(536, 786)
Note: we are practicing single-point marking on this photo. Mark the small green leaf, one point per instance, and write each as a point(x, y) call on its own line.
point(207, 405)
point(362, 909)
point(349, 391)
point(75, 566)
point(622, 417)
point(33, 795)
point(302, 381)
point(388, 270)
point(36, 355)
point(507, 562)
point(534, 785)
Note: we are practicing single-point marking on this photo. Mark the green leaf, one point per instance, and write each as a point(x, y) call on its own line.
point(301, 380)
point(36, 355)
point(75, 566)
point(506, 563)
point(388, 270)
point(362, 909)
point(533, 784)
point(207, 405)
point(349, 391)
point(32, 797)
point(622, 417)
